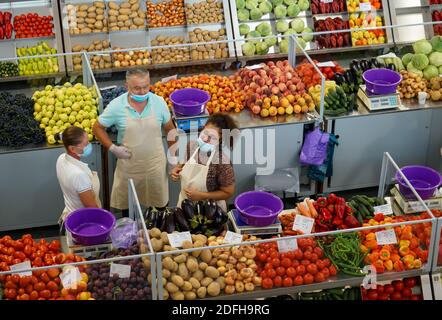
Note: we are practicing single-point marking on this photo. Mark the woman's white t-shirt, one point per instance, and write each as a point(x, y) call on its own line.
point(74, 177)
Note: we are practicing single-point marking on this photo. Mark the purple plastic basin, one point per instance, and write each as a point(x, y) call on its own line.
point(90, 226)
point(381, 81)
point(258, 208)
point(189, 101)
point(423, 179)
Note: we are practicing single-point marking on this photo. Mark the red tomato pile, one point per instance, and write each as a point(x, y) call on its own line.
point(304, 265)
point(397, 290)
point(32, 26)
point(43, 284)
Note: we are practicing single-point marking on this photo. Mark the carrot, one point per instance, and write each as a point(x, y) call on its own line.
point(303, 210)
point(312, 209)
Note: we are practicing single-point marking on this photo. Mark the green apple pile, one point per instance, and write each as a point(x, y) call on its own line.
point(57, 108)
point(31, 66)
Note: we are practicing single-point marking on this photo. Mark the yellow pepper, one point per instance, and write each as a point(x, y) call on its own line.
point(388, 265)
point(384, 254)
point(371, 236)
point(417, 264)
point(408, 258)
point(404, 243)
point(363, 248)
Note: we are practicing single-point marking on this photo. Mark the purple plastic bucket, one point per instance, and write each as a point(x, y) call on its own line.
point(189, 101)
point(423, 179)
point(258, 208)
point(90, 226)
point(381, 81)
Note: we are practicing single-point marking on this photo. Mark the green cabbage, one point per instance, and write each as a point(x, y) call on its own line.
point(420, 61)
point(264, 29)
point(277, 2)
point(303, 5)
point(282, 26)
point(253, 34)
point(243, 14)
point(435, 58)
point(262, 48)
point(270, 41)
point(265, 7)
point(422, 46)
point(284, 46)
point(308, 37)
point(255, 14)
point(412, 69)
point(240, 4)
point(251, 4)
point(293, 10)
point(298, 25)
point(289, 2)
point(436, 43)
point(302, 43)
point(289, 32)
point(430, 72)
point(244, 29)
point(280, 12)
point(407, 58)
point(440, 70)
point(248, 49)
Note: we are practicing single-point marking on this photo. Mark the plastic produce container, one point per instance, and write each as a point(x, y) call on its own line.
point(423, 179)
point(381, 81)
point(90, 226)
point(257, 208)
point(189, 101)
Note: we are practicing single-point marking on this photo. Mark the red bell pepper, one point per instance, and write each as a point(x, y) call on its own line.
point(1, 19)
point(331, 208)
point(321, 202)
point(7, 17)
point(326, 214)
point(331, 198)
point(8, 31)
point(2, 33)
point(348, 210)
point(379, 217)
point(337, 221)
point(352, 222)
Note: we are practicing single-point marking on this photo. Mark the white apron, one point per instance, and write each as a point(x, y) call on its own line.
point(147, 166)
point(194, 175)
point(93, 176)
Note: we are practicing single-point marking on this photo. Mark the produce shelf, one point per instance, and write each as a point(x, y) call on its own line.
point(27, 39)
point(326, 15)
point(32, 77)
point(334, 282)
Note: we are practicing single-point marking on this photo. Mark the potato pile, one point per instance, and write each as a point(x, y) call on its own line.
point(207, 11)
point(208, 51)
point(169, 55)
point(87, 18)
point(166, 13)
point(411, 85)
point(435, 89)
point(125, 16)
point(97, 61)
point(131, 58)
point(205, 273)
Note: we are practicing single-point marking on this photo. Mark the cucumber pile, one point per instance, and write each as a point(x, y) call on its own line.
point(8, 69)
point(333, 294)
point(363, 206)
point(337, 102)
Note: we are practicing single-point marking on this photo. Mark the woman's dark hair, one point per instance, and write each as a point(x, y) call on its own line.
point(71, 136)
point(224, 121)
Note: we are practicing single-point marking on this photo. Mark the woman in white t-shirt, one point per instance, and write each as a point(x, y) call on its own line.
point(80, 185)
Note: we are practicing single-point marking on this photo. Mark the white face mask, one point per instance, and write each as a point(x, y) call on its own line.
point(204, 146)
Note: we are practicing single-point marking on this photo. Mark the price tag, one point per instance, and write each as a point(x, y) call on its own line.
point(365, 6)
point(385, 209)
point(326, 64)
point(122, 270)
point(303, 224)
point(287, 245)
point(22, 266)
point(232, 237)
point(176, 239)
point(167, 79)
point(386, 237)
point(326, 1)
point(109, 87)
point(255, 66)
point(70, 277)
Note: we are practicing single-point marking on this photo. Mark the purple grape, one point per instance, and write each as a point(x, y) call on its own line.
point(108, 295)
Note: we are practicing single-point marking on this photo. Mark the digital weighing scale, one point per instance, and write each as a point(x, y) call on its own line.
point(413, 206)
point(243, 228)
point(188, 123)
point(375, 102)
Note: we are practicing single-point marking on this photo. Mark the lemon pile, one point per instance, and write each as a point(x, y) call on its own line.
point(57, 108)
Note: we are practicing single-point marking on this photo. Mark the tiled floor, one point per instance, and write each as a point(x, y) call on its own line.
point(53, 231)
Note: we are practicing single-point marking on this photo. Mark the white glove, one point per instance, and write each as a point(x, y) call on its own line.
point(121, 152)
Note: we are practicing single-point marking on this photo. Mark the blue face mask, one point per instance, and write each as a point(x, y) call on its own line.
point(86, 151)
point(140, 98)
point(205, 147)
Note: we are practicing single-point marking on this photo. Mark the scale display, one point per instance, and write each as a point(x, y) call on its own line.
point(191, 123)
point(378, 102)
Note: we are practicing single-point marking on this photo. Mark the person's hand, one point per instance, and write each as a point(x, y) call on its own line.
point(175, 173)
point(121, 152)
point(194, 195)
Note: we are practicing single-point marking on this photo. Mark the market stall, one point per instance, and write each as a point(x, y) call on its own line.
point(28, 160)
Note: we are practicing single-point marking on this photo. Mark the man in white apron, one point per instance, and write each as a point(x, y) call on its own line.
point(139, 116)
